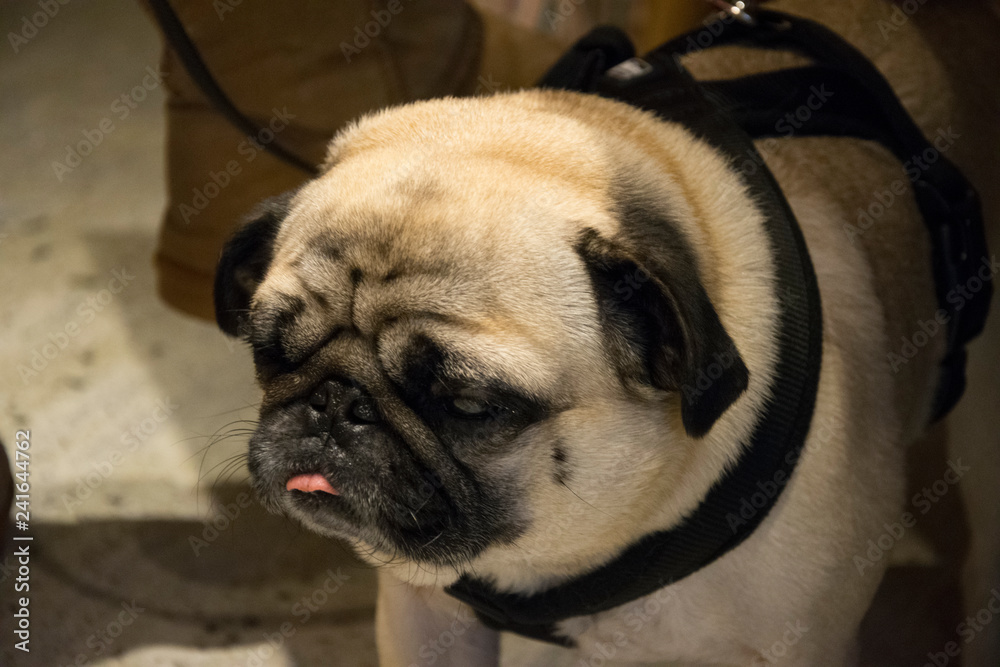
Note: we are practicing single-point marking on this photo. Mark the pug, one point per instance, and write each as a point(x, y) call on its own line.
point(477, 332)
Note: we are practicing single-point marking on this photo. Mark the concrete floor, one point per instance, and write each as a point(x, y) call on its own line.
point(135, 411)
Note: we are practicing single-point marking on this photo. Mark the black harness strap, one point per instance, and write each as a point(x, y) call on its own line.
point(863, 105)
point(948, 204)
point(727, 114)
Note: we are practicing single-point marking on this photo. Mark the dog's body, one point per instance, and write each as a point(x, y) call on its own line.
point(486, 227)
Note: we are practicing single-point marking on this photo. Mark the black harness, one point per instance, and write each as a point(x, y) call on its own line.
point(846, 97)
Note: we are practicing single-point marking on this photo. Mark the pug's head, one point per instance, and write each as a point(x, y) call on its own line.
point(481, 310)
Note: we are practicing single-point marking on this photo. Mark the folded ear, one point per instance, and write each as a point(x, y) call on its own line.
point(244, 261)
point(660, 327)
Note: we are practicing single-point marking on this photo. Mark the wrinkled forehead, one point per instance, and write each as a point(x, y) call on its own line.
point(470, 232)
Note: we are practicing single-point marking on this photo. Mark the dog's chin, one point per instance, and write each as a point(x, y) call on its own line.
point(441, 541)
point(322, 513)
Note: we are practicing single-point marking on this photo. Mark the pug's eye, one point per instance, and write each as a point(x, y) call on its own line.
point(464, 406)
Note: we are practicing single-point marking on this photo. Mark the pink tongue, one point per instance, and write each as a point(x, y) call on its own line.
point(310, 483)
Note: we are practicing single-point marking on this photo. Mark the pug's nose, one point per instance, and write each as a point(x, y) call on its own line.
point(338, 401)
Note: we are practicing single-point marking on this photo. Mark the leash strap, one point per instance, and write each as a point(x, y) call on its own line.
point(181, 43)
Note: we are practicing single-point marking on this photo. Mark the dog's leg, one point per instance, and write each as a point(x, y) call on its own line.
point(422, 625)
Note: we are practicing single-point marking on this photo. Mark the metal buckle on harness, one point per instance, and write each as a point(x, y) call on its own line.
point(737, 10)
point(629, 69)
